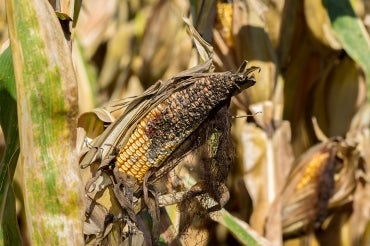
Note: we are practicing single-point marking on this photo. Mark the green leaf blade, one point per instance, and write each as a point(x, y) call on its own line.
point(9, 232)
point(47, 113)
point(351, 33)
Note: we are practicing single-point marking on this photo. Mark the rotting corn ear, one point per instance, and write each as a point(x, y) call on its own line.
point(174, 118)
point(322, 180)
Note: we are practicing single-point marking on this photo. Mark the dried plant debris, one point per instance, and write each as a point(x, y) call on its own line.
point(151, 137)
point(323, 180)
point(215, 159)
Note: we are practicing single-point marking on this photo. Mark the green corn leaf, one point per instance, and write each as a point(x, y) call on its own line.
point(351, 33)
point(9, 233)
point(47, 112)
point(241, 230)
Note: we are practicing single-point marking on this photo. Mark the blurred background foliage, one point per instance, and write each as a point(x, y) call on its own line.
point(301, 161)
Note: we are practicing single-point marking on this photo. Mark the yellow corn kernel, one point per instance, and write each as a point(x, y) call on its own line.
point(156, 111)
point(136, 145)
point(141, 175)
point(135, 167)
point(129, 152)
point(312, 170)
point(129, 162)
point(140, 132)
point(138, 153)
point(142, 161)
point(125, 155)
point(134, 172)
point(124, 168)
point(136, 134)
point(141, 140)
point(142, 124)
point(132, 149)
point(119, 159)
point(145, 147)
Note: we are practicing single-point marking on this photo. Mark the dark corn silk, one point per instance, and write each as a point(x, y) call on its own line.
point(169, 123)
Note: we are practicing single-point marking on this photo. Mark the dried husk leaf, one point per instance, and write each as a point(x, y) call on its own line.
point(343, 91)
point(291, 32)
point(86, 96)
point(95, 25)
point(119, 55)
point(346, 92)
point(304, 72)
point(360, 218)
point(272, 13)
point(319, 25)
point(265, 163)
point(156, 48)
point(252, 42)
point(204, 14)
point(95, 122)
point(3, 24)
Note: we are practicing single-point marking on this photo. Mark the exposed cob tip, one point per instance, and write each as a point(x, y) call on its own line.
point(244, 76)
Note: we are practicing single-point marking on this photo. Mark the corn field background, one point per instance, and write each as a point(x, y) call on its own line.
point(300, 136)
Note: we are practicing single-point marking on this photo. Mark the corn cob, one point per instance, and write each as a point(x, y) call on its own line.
point(169, 123)
point(322, 179)
point(224, 21)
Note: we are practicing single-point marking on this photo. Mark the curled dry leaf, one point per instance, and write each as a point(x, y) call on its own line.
point(95, 122)
point(342, 89)
point(319, 24)
point(360, 133)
